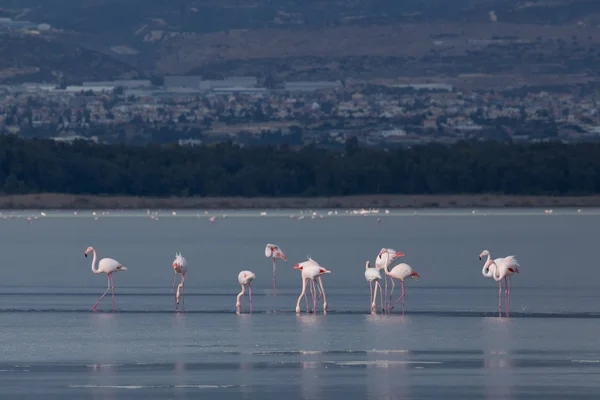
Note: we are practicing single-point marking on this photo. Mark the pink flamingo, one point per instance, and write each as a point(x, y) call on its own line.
point(274, 252)
point(383, 262)
point(106, 266)
point(245, 278)
point(373, 275)
point(311, 270)
point(179, 267)
point(485, 271)
point(500, 268)
point(400, 272)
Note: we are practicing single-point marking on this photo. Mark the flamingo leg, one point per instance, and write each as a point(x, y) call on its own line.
point(112, 284)
point(390, 299)
point(507, 283)
point(306, 298)
point(101, 297)
point(312, 293)
point(386, 292)
point(374, 300)
point(182, 284)
point(302, 294)
point(319, 292)
point(399, 298)
point(250, 296)
point(380, 294)
point(324, 295)
point(499, 298)
point(274, 275)
point(174, 282)
point(317, 295)
point(371, 293)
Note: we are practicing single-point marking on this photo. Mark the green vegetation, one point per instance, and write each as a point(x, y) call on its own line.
point(225, 169)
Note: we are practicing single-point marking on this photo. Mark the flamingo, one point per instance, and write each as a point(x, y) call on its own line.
point(373, 275)
point(275, 252)
point(245, 278)
point(179, 267)
point(489, 274)
point(400, 272)
point(106, 266)
point(500, 268)
point(311, 270)
point(381, 262)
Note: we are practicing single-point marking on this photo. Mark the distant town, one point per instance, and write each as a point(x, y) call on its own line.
point(190, 110)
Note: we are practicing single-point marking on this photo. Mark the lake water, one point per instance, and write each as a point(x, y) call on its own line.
point(449, 344)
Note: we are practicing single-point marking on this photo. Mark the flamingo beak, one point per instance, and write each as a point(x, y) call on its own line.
point(415, 275)
point(85, 254)
point(480, 257)
point(122, 268)
point(398, 254)
point(174, 265)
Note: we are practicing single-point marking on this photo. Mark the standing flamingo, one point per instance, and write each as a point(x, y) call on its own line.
point(179, 267)
point(501, 268)
point(245, 278)
point(106, 266)
point(489, 274)
point(274, 252)
point(373, 275)
point(383, 262)
point(311, 270)
point(400, 272)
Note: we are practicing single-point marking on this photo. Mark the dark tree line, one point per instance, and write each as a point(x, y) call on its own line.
point(225, 169)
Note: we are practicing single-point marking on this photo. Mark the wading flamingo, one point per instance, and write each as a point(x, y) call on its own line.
point(179, 267)
point(245, 278)
point(373, 275)
point(485, 271)
point(311, 270)
point(500, 268)
point(274, 252)
point(400, 272)
point(383, 262)
point(106, 266)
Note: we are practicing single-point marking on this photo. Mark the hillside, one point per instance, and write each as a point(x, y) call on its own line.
point(535, 40)
point(25, 58)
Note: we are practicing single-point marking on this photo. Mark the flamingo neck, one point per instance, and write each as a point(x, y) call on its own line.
point(95, 268)
point(487, 266)
point(386, 258)
point(496, 274)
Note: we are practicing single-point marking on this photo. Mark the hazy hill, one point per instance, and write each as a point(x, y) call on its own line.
point(25, 58)
point(328, 39)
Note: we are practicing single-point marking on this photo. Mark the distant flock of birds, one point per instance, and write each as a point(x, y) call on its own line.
point(154, 215)
point(499, 269)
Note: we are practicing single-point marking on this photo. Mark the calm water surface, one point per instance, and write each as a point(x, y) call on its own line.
point(449, 344)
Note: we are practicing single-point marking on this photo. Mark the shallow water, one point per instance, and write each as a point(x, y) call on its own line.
point(450, 342)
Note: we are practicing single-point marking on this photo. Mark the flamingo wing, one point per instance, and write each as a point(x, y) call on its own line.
point(108, 265)
point(372, 274)
point(511, 264)
point(269, 250)
point(245, 277)
point(401, 271)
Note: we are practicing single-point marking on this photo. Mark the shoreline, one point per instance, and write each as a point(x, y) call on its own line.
point(48, 201)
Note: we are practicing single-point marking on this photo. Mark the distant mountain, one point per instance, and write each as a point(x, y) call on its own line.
point(25, 58)
point(359, 38)
point(136, 18)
